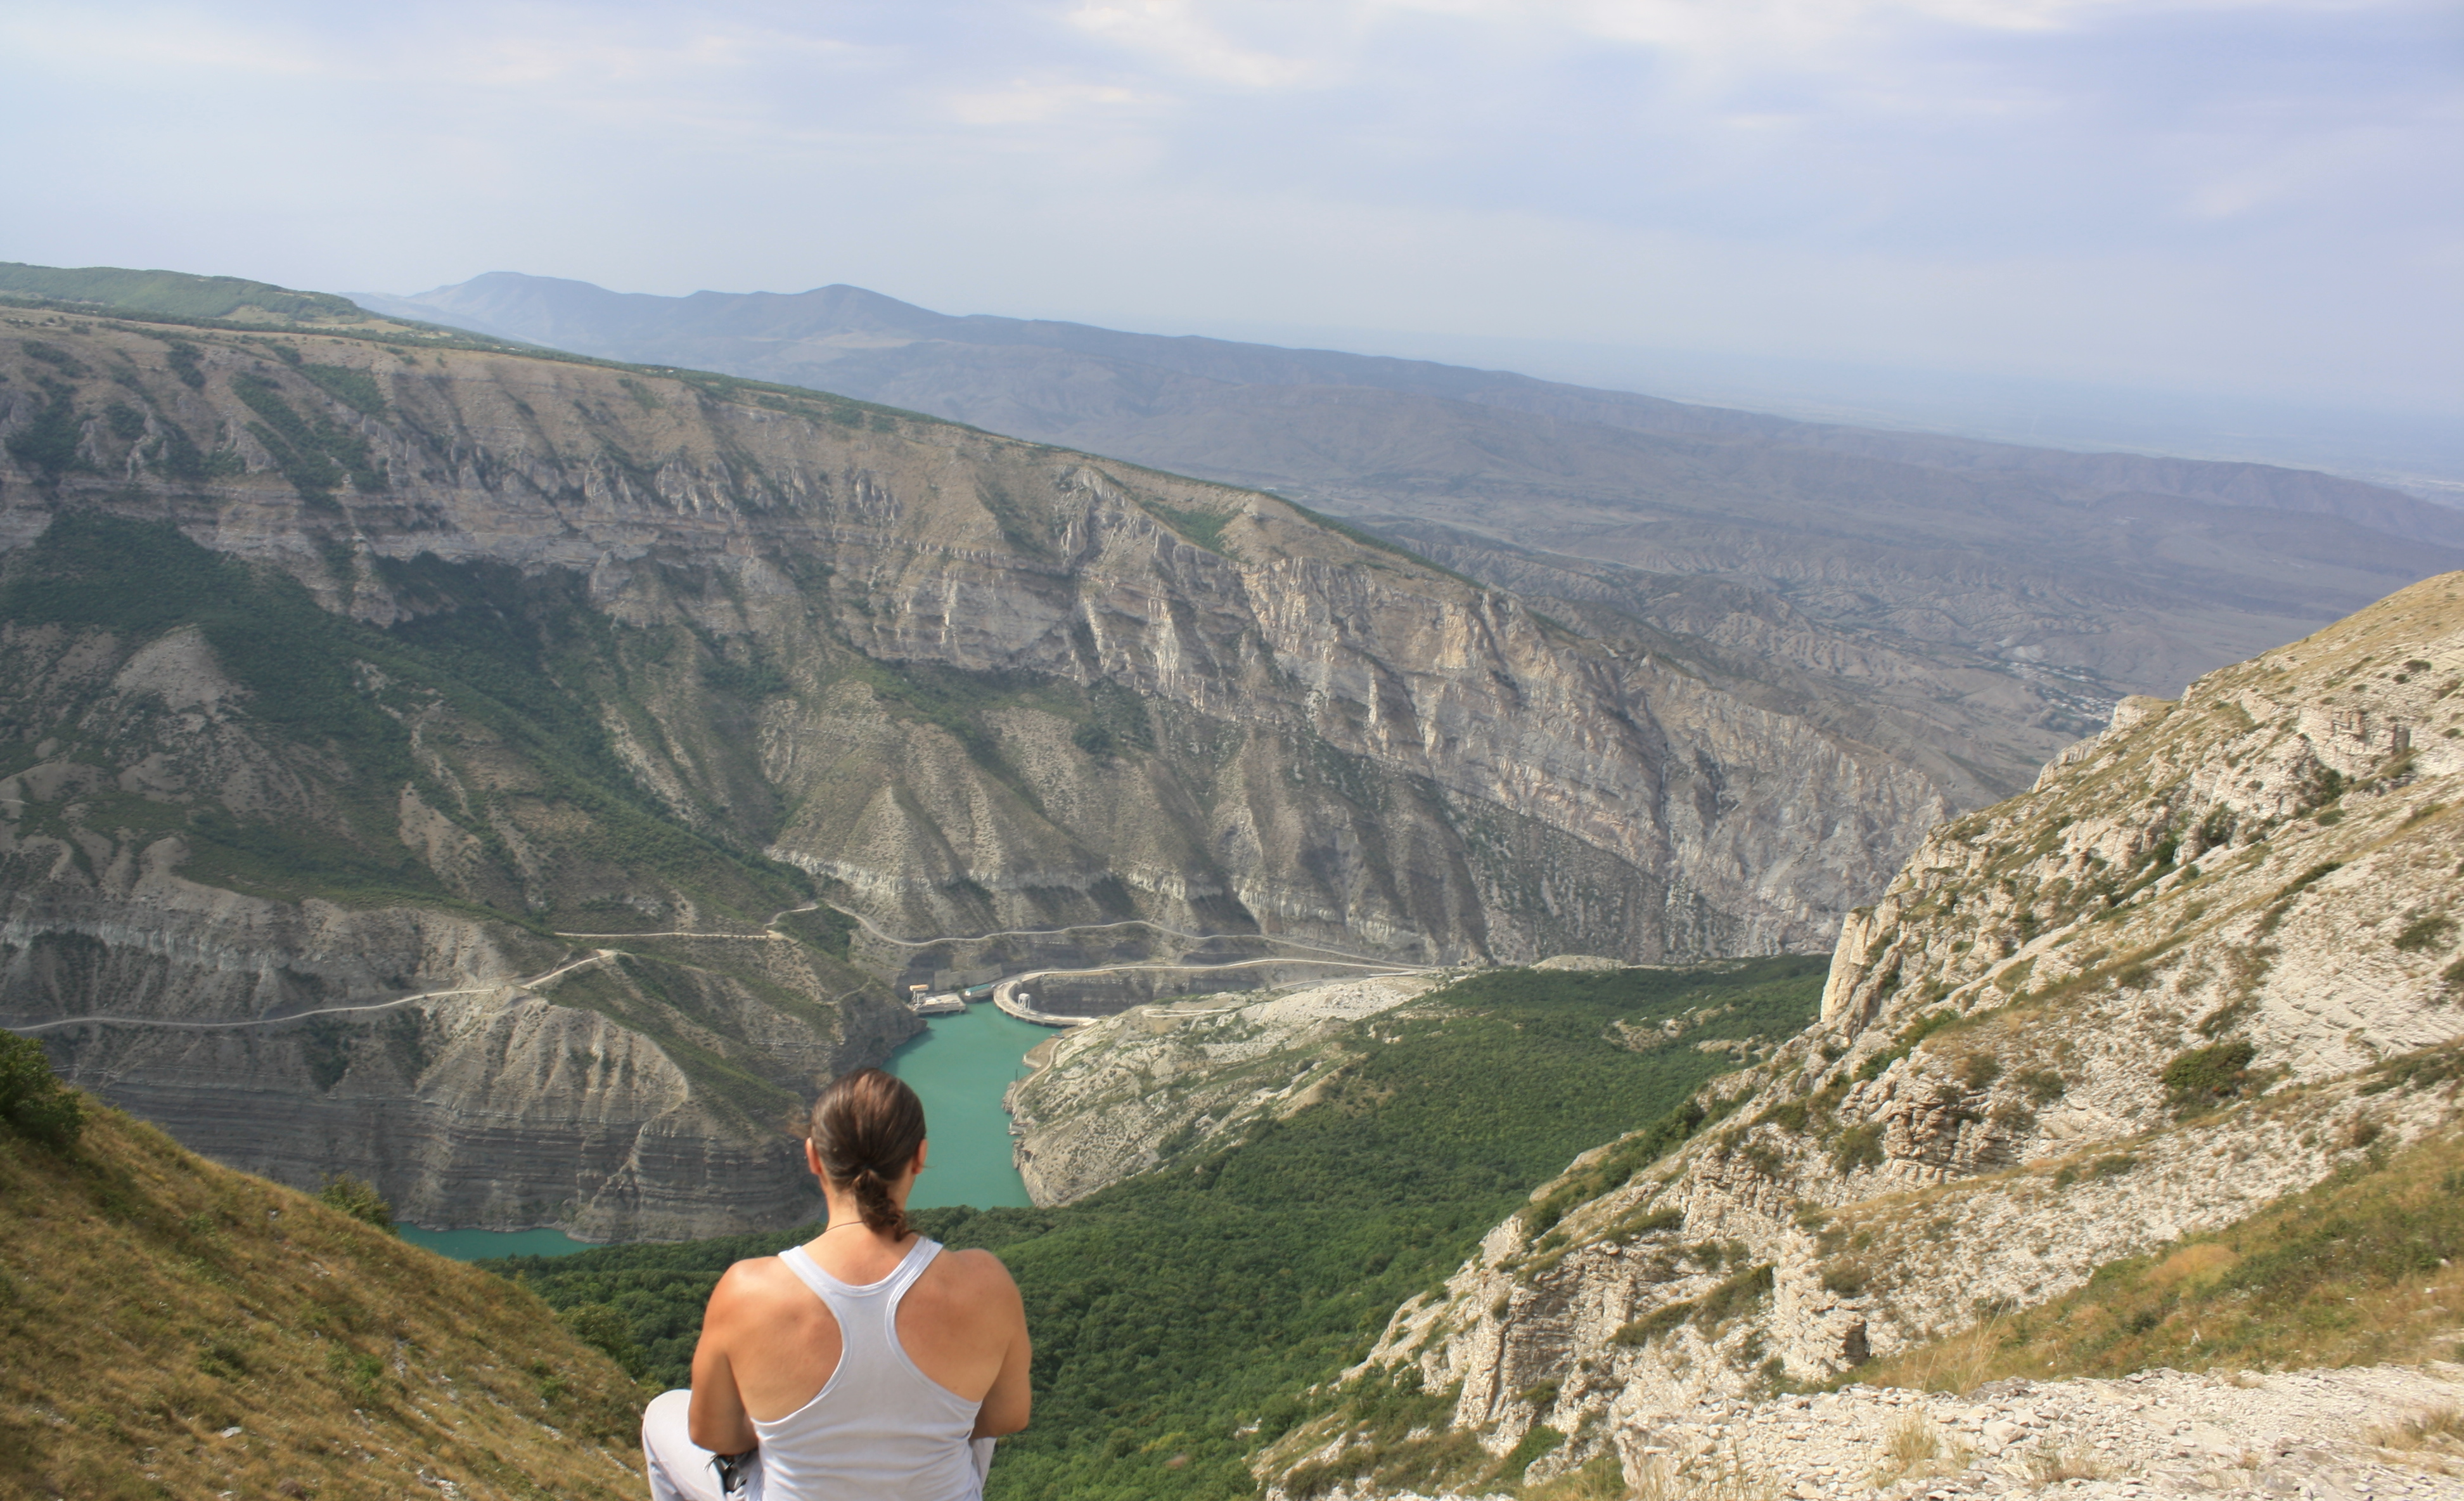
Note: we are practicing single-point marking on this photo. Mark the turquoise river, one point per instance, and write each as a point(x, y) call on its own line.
point(960, 1065)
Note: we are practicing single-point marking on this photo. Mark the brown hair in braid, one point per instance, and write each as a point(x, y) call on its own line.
point(867, 1126)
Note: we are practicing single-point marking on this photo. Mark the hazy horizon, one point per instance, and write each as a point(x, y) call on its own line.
point(2234, 197)
point(2419, 451)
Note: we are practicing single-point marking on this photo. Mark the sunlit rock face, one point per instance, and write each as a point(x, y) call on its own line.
point(2195, 968)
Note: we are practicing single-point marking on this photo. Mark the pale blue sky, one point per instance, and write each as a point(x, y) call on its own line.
point(2259, 197)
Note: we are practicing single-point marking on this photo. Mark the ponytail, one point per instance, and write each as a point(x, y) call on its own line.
point(867, 1126)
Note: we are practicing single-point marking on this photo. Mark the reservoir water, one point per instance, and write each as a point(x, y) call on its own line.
point(477, 1244)
point(959, 1067)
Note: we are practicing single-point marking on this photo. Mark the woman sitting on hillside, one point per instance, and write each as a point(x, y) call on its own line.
point(864, 1362)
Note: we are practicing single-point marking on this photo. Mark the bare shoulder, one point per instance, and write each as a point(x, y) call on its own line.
point(750, 1286)
point(979, 1274)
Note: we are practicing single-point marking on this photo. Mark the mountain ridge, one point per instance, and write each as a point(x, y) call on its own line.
point(548, 309)
point(2118, 573)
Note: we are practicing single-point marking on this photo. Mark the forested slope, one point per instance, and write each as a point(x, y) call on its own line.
point(1178, 1316)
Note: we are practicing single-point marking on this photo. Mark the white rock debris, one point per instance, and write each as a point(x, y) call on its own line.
point(2331, 1435)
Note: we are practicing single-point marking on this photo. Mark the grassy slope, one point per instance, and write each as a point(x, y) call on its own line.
point(151, 1303)
point(1173, 1308)
point(2358, 1270)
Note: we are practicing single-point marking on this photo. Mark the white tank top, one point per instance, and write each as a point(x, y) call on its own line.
point(879, 1428)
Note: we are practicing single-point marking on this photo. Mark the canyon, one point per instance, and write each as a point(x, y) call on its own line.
point(547, 768)
point(1972, 606)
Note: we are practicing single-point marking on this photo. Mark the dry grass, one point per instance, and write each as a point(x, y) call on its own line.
point(2049, 1466)
point(2364, 1268)
point(2440, 1428)
point(1601, 1478)
point(1703, 1480)
point(1917, 1448)
point(173, 1329)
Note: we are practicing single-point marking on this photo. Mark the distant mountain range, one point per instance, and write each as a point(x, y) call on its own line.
point(1998, 597)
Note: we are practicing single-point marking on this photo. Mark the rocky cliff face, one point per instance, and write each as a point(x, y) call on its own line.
point(1123, 1094)
point(2211, 957)
point(2007, 575)
point(356, 665)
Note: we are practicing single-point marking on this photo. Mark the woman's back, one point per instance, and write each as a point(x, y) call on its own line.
point(864, 1362)
point(880, 1425)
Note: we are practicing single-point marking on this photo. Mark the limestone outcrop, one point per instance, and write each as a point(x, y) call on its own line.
point(2200, 965)
point(1123, 1094)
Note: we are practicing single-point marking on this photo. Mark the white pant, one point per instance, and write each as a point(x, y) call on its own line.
point(681, 1469)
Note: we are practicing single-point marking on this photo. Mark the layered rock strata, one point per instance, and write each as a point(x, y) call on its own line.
point(349, 664)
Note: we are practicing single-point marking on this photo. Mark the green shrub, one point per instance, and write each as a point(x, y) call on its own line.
point(1906, 1043)
point(2206, 1075)
point(358, 1199)
point(1764, 1158)
point(363, 1376)
point(610, 1330)
point(183, 363)
point(2102, 1167)
point(354, 388)
point(1857, 1146)
point(1734, 1296)
point(2426, 933)
point(1979, 1069)
point(313, 454)
point(2044, 1086)
point(49, 444)
point(1658, 1221)
point(1538, 1442)
point(32, 1100)
point(2317, 872)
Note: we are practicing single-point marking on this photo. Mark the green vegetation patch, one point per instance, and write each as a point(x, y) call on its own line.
point(313, 452)
point(33, 1103)
point(1915, 1032)
point(2207, 1075)
point(1172, 1309)
point(49, 444)
point(1206, 528)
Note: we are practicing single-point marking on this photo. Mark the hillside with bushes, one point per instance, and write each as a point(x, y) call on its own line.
point(1181, 1317)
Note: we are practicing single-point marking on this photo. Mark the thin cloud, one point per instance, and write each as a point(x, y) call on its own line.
point(2159, 190)
point(1178, 34)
